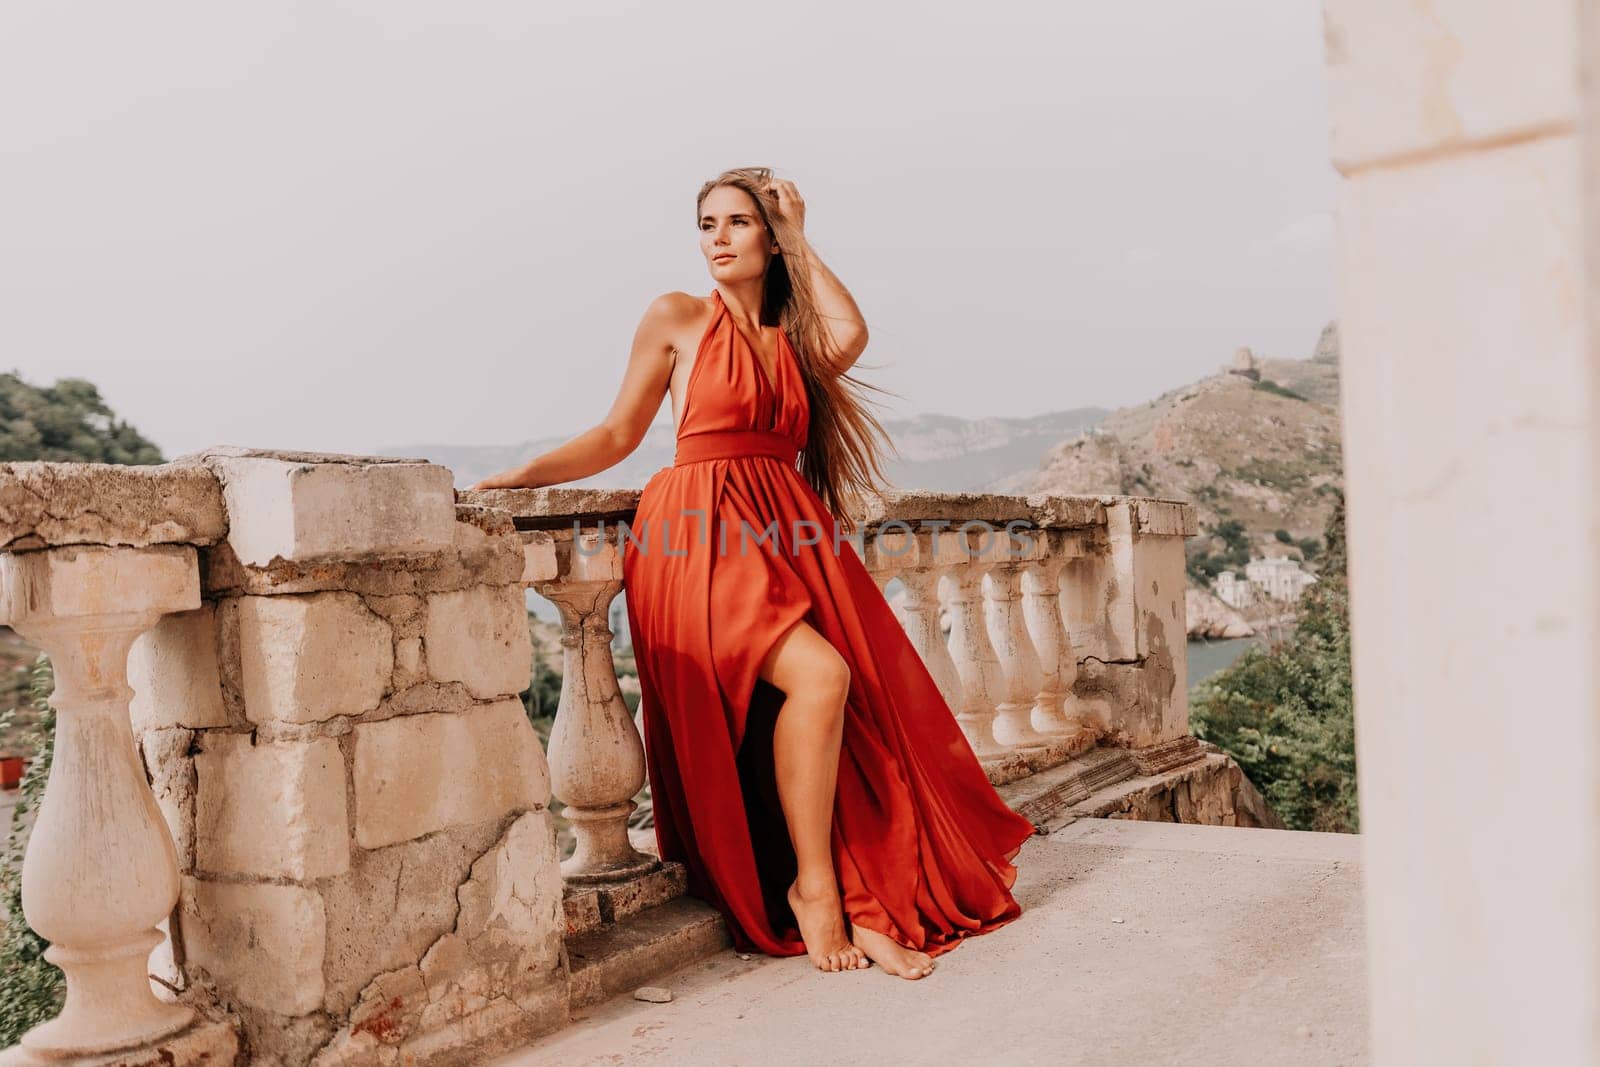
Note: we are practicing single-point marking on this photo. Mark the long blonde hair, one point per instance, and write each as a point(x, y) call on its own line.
point(842, 458)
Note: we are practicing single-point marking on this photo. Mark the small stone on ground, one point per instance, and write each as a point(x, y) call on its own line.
point(652, 994)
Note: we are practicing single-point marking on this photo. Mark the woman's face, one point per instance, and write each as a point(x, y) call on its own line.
point(732, 238)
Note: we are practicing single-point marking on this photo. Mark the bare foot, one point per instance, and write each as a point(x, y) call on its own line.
point(821, 921)
point(892, 956)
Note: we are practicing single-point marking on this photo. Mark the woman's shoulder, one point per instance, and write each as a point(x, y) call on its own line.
point(678, 306)
point(673, 319)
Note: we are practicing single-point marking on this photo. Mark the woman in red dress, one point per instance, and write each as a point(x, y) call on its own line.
point(804, 766)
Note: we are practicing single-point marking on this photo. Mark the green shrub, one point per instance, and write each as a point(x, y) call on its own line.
point(1203, 565)
point(31, 988)
point(67, 421)
point(542, 697)
point(1285, 711)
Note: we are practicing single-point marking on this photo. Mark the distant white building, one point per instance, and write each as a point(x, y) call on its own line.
point(1233, 592)
point(1278, 578)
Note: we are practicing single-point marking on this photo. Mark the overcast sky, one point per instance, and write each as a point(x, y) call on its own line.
point(346, 227)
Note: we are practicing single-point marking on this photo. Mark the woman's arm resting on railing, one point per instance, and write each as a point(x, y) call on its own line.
point(619, 433)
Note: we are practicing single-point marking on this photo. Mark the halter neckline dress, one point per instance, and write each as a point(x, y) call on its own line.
point(921, 842)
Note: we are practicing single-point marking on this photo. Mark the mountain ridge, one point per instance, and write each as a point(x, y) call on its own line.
point(1256, 448)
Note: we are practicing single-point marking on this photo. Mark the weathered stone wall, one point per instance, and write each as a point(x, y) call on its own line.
point(1124, 603)
point(357, 796)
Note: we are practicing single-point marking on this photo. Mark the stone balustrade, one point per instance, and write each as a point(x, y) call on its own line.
point(1066, 629)
point(293, 770)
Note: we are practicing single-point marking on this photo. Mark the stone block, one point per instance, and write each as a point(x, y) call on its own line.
point(479, 637)
point(393, 904)
point(1097, 602)
point(48, 504)
point(91, 580)
point(272, 811)
point(420, 773)
point(303, 508)
point(539, 563)
point(1166, 518)
point(1143, 702)
point(581, 909)
point(262, 944)
point(171, 771)
point(173, 671)
point(509, 930)
point(1404, 79)
point(309, 658)
point(618, 900)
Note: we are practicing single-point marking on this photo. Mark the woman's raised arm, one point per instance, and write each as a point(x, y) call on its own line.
point(643, 383)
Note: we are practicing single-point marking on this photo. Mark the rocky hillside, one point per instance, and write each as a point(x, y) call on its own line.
point(1256, 449)
point(942, 453)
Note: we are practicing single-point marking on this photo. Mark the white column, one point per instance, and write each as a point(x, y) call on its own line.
point(100, 870)
point(1466, 242)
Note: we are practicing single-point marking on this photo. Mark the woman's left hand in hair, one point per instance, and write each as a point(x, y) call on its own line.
point(790, 205)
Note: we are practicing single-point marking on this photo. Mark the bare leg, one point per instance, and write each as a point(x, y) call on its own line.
point(815, 681)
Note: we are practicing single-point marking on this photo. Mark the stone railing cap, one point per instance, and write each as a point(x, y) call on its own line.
point(555, 506)
point(291, 456)
point(43, 505)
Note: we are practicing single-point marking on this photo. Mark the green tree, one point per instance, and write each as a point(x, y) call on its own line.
point(66, 422)
point(1285, 712)
point(1203, 565)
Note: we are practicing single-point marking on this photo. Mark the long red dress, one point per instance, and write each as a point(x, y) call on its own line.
point(921, 842)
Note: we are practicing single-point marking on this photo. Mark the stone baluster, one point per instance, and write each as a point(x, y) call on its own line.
point(101, 870)
point(1022, 676)
point(596, 754)
point(1054, 709)
point(919, 574)
point(975, 659)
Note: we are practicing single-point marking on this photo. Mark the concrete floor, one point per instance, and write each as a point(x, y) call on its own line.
point(1140, 943)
